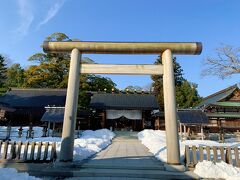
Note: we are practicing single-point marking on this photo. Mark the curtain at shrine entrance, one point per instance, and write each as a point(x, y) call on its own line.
point(129, 114)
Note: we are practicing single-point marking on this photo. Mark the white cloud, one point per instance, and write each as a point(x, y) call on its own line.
point(26, 14)
point(52, 12)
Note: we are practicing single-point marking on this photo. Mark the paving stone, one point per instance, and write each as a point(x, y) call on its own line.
point(126, 149)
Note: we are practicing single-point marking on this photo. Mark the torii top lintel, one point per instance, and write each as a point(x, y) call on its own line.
point(89, 47)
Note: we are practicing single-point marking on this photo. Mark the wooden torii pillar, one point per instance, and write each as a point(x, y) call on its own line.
point(77, 48)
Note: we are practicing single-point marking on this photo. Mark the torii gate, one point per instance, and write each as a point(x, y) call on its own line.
point(77, 48)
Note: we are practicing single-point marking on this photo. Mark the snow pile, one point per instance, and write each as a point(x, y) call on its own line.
point(155, 141)
point(12, 174)
point(208, 143)
point(91, 142)
point(208, 169)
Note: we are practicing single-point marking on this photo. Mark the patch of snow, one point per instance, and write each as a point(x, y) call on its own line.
point(12, 174)
point(155, 141)
point(232, 140)
point(208, 143)
point(208, 169)
point(90, 143)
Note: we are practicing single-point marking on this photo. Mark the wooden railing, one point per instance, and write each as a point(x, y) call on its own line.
point(28, 151)
point(228, 154)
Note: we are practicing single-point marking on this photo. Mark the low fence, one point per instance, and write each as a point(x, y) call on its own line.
point(8, 132)
point(28, 151)
point(194, 154)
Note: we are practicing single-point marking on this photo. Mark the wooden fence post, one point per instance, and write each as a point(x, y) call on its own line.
point(194, 155)
point(201, 153)
point(25, 151)
point(229, 155)
point(32, 151)
point(215, 155)
point(187, 155)
point(13, 150)
point(1, 142)
point(54, 152)
point(45, 151)
point(236, 156)
point(39, 151)
point(208, 153)
point(19, 145)
point(5, 150)
point(13, 153)
point(222, 154)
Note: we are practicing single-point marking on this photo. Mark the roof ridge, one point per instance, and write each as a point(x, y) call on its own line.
point(125, 94)
point(37, 89)
point(221, 91)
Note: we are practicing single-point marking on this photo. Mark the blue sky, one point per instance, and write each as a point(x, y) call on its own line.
point(24, 24)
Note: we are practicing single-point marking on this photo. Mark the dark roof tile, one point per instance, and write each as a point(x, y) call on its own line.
point(192, 117)
point(124, 101)
point(34, 97)
point(56, 114)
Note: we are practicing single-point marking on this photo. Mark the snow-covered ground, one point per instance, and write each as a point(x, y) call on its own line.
point(208, 169)
point(155, 141)
point(90, 143)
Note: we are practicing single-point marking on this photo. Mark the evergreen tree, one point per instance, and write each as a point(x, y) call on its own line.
point(52, 71)
point(15, 76)
point(187, 95)
point(3, 71)
point(52, 68)
point(186, 92)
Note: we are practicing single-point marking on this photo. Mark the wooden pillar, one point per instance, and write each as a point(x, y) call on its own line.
point(143, 119)
point(202, 134)
point(103, 120)
point(53, 129)
point(48, 130)
point(70, 113)
point(185, 131)
point(134, 125)
point(172, 140)
point(156, 123)
point(89, 123)
point(8, 135)
point(78, 128)
point(180, 128)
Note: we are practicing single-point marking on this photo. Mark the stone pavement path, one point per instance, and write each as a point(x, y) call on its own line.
point(126, 158)
point(126, 151)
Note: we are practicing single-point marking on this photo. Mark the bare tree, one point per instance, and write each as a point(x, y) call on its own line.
point(148, 87)
point(225, 64)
